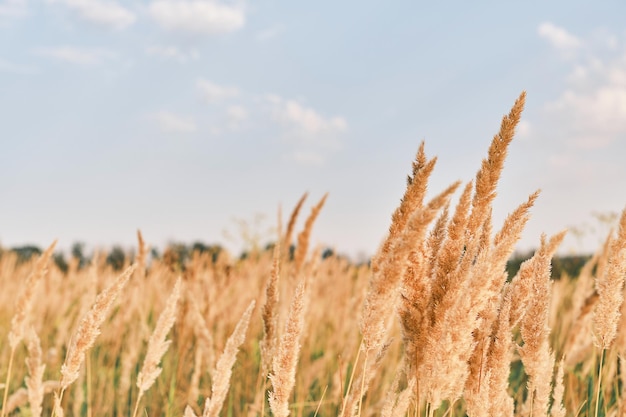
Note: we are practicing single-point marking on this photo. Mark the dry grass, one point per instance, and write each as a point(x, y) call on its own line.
point(434, 327)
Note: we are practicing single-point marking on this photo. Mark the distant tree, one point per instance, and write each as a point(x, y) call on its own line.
point(214, 250)
point(24, 253)
point(328, 252)
point(60, 262)
point(116, 258)
point(176, 256)
point(78, 252)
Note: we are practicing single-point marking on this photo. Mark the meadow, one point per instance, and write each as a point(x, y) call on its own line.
point(432, 326)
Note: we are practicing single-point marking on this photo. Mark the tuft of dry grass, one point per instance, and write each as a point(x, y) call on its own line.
point(303, 237)
point(36, 368)
point(291, 225)
point(23, 306)
point(157, 346)
point(223, 369)
point(85, 336)
point(609, 286)
point(283, 377)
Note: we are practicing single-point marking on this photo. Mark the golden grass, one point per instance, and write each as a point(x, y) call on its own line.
point(434, 327)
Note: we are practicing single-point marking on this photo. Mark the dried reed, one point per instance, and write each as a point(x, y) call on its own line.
point(157, 345)
point(223, 368)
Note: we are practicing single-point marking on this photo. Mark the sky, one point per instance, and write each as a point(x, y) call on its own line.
point(187, 118)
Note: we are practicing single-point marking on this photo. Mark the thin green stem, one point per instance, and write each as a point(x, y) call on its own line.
point(363, 376)
point(599, 381)
point(345, 398)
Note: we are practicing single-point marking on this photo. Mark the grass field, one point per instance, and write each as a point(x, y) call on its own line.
point(433, 326)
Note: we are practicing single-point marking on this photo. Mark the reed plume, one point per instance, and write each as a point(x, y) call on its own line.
point(21, 397)
point(270, 314)
point(283, 377)
point(157, 345)
point(304, 236)
point(24, 301)
point(499, 357)
point(223, 368)
point(292, 221)
point(610, 290)
point(558, 410)
point(373, 326)
point(536, 355)
point(36, 367)
point(491, 168)
point(142, 255)
point(610, 287)
point(89, 328)
point(23, 305)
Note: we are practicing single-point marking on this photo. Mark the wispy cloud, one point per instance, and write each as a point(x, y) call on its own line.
point(13, 8)
point(311, 135)
point(213, 93)
point(236, 115)
point(101, 12)
point(197, 16)
point(558, 37)
point(174, 123)
point(173, 53)
point(304, 119)
point(85, 57)
point(592, 108)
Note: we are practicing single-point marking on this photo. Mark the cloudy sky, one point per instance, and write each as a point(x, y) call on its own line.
point(185, 117)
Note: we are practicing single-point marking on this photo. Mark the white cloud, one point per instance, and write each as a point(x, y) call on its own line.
point(13, 8)
point(590, 111)
point(312, 135)
point(213, 93)
point(102, 12)
point(197, 16)
point(6, 66)
point(558, 37)
point(597, 117)
point(174, 123)
point(85, 57)
point(172, 52)
point(305, 119)
point(593, 107)
point(236, 116)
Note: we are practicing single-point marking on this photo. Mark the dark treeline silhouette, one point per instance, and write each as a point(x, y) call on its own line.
point(178, 255)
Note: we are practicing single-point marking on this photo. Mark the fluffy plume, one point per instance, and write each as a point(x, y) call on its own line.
point(36, 367)
point(292, 221)
point(158, 345)
point(536, 355)
point(24, 301)
point(89, 328)
point(270, 313)
point(223, 369)
point(303, 237)
point(610, 288)
point(283, 377)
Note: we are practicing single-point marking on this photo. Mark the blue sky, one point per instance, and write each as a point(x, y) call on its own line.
point(181, 116)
